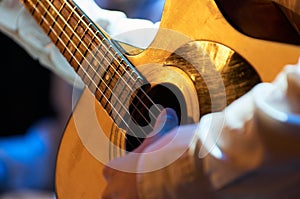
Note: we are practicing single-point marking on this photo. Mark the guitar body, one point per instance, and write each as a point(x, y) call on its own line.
point(79, 171)
point(92, 138)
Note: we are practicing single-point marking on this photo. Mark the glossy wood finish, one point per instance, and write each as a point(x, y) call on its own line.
point(183, 22)
point(91, 134)
point(202, 20)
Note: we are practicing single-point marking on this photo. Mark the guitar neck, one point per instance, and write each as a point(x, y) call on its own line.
point(92, 55)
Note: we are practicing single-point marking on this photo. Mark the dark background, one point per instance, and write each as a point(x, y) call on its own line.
point(24, 87)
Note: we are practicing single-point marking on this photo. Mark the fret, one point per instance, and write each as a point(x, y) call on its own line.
point(67, 52)
point(120, 108)
point(73, 20)
point(61, 6)
point(116, 115)
point(44, 17)
point(103, 62)
point(89, 40)
point(78, 50)
point(92, 87)
point(94, 66)
point(88, 80)
point(58, 19)
point(67, 20)
point(58, 6)
point(124, 95)
point(106, 92)
point(51, 12)
point(34, 8)
point(93, 39)
point(56, 31)
point(105, 44)
point(108, 107)
point(111, 78)
point(89, 76)
point(89, 52)
point(42, 12)
point(81, 41)
point(65, 12)
point(104, 97)
point(99, 94)
point(116, 72)
point(121, 67)
point(97, 65)
point(109, 57)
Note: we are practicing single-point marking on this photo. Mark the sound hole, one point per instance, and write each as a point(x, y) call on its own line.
point(219, 74)
point(163, 96)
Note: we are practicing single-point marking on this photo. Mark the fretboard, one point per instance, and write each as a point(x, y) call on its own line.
point(103, 69)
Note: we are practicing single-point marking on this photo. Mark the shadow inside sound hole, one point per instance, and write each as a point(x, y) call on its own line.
point(164, 95)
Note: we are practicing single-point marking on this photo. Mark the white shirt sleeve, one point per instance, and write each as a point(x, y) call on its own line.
point(17, 23)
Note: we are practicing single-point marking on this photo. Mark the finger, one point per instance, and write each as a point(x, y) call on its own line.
point(166, 121)
point(108, 173)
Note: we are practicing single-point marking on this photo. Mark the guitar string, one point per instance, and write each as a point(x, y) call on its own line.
point(87, 74)
point(73, 9)
point(141, 128)
point(95, 36)
point(93, 68)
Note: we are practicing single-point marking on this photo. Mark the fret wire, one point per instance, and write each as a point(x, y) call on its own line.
point(62, 6)
point(54, 21)
point(41, 22)
point(123, 80)
point(86, 49)
point(127, 97)
point(89, 45)
point(109, 52)
point(64, 28)
point(34, 8)
point(44, 7)
point(79, 42)
point(108, 88)
point(101, 79)
point(123, 90)
point(98, 66)
point(99, 90)
point(41, 19)
point(84, 35)
point(114, 73)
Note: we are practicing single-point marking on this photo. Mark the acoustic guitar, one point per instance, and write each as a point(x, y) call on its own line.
point(198, 63)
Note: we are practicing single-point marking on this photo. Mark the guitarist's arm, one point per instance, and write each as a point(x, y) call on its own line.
point(18, 24)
